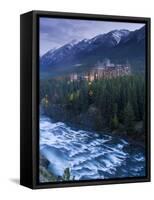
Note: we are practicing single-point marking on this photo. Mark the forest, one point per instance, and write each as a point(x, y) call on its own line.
point(114, 105)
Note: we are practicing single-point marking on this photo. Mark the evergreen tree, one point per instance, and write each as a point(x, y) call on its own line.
point(118, 101)
point(129, 119)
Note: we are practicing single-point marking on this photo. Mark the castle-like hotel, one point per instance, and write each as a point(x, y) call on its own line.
point(103, 70)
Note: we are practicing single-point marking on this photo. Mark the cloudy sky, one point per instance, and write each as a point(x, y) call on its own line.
point(56, 32)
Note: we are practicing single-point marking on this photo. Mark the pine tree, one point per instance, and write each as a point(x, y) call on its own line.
point(129, 119)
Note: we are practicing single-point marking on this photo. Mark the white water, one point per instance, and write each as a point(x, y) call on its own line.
point(89, 155)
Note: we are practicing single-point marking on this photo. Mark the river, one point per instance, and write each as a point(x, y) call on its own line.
point(89, 155)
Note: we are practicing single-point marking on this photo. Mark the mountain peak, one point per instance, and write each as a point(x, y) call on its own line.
point(118, 35)
point(89, 51)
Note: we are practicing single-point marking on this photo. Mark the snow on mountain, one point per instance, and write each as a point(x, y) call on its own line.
point(109, 39)
point(73, 50)
point(119, 35)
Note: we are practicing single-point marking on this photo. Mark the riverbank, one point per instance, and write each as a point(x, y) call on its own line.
point(46, 175)
point(87, 123)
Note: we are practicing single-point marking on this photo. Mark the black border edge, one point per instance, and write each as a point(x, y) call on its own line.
point(148, 95)
point(90, 16)
point(26, 166)
point(35, 101)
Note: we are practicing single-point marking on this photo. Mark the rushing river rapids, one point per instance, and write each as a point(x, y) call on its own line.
point(88, 155)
